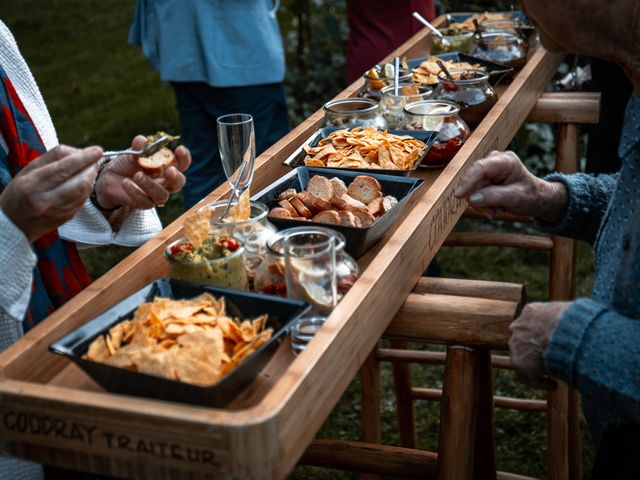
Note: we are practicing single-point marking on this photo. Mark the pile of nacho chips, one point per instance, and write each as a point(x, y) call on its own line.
point(365, 148)
point(481, 17)
point(428, 71)
point(191, 341)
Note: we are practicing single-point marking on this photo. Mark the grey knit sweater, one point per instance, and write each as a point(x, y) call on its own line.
point(596, 346)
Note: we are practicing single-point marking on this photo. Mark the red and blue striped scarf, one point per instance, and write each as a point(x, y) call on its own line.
point(59, 273)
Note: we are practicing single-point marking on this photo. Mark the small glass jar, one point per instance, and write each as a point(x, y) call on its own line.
point(270, 276)
point(392, 106)
point(225, 272)
point(253, 233)
point(471, 90)
point(353, 112)
point(374, 83)
point(501, 47)
point(452, 40)
point(440, 116)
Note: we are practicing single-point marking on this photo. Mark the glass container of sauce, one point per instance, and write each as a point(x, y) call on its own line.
point(453, 40)
point(504, 48)
point(441, 116)
point(218, 262)
point(253, 233)
point(471, 90)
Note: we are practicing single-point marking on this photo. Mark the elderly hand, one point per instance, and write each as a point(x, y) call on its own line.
point(50, 190)
point(501, 182)
point(530, 335)
point(122, 183)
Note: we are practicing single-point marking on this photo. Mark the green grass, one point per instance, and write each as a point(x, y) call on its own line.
point(102, 91)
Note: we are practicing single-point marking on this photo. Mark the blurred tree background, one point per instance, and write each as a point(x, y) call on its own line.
point(100, 90)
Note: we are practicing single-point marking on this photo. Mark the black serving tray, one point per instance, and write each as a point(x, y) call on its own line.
point(282, 312)
point(525, 26)
point(459, 17)
point(297, 158)
point(359, 239)
point(496, 71)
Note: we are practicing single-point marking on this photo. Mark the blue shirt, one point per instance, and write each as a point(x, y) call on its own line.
point(224, 43)
point(596, 345)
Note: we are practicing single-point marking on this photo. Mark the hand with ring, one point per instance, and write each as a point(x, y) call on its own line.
point(123, 183)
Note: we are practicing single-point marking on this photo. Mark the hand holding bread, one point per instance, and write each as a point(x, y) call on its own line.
point(142, 182)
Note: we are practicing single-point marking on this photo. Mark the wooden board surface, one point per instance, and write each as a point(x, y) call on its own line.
point(54, 414)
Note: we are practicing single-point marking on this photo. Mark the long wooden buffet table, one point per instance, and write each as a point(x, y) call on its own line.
point(51, 412)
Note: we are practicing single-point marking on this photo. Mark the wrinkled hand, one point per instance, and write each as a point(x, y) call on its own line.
point(50, 190)
point(530, 335)
point(123, 183)
point(500, 182)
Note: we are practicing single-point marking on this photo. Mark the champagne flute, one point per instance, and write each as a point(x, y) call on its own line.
point(237, 145)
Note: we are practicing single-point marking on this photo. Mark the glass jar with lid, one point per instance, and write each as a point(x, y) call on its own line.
point(471, 90)
point(379, 77)
point(253, 233)
point(440, 116)
point(353, 112)
point(504, 48)
point(392, 105)
point(270, 277)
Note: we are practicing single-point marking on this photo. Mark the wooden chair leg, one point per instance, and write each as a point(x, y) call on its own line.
point(458, 415)
point(484, 465)
point(404, 403)
point(370, 395)
point(558, 433)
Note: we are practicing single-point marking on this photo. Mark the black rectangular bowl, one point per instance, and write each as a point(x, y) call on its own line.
point(359, 239)
point(525, 26)
point(496, 71)
point(282, 312)
point(297, 158)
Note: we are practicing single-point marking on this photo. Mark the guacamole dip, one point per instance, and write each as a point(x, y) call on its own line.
point(218, 261)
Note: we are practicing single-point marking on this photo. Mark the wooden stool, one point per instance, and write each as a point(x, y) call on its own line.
point(443, 311)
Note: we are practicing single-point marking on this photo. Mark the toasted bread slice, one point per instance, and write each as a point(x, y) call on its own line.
point(320, 187)
point(313, 203)
point(328, 216)
point(365, 218)
point(365, 189)
point(287, 206)
point(376, 207)
point(158, 162)
point(347, 218)
point(345, 202)
point(287, 194)
point(300, 208)
point(280, 212)
point(339, 187)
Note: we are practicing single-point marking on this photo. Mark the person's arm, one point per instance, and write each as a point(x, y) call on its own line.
point(588, 197)
point(17, 260)
point(596, 349)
